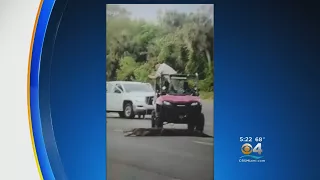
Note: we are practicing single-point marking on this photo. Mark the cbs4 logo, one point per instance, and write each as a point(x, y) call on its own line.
point(248, 149)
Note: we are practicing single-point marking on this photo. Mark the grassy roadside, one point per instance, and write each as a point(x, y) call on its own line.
point(206, 95)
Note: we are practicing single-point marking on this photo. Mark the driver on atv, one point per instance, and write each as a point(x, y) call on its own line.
point(186, 87)
point(162, 69)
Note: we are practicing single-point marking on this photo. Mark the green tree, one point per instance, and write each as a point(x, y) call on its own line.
point(182, 40)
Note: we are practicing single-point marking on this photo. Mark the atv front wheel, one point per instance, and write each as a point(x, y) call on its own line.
point(200, 123)
point(158, 121)
point(153, 119)
point(190, 126)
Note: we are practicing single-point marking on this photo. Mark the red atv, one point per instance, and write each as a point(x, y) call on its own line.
point(177, 103)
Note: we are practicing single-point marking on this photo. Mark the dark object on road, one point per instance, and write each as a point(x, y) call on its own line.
point(163, 132)
point(177, 103)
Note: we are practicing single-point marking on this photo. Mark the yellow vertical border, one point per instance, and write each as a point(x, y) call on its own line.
point(28, 90)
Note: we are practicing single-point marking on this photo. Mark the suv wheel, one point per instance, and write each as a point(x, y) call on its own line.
point(128, 111)
point(142, 115)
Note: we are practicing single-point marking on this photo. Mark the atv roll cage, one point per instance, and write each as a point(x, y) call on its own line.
point(162, 86)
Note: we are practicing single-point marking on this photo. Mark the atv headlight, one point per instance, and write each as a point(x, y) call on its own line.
point(195, 104)
point(166, 103)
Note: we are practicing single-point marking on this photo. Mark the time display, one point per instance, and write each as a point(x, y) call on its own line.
point(245, 139)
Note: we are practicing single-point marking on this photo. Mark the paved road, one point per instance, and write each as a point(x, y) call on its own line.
point(158, 158)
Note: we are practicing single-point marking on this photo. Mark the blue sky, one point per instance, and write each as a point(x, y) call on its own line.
point(149, 11)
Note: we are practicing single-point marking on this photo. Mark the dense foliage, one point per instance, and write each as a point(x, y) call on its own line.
point(183, 41)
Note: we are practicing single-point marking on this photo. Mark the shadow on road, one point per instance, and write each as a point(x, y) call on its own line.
point(163, 132)
point(124, 119)
point(148, 117)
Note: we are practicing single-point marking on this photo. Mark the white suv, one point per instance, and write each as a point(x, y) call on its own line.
point(130, 98)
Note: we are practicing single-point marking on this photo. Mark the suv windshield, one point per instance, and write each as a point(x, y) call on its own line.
point(137, 87)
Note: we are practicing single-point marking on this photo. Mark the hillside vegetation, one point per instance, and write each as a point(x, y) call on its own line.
point(183, 41)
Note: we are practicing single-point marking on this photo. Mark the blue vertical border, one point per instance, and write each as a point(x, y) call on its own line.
point(266, 84)
point(39, 31)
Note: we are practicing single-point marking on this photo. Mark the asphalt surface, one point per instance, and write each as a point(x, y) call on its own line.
point(158, 158)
